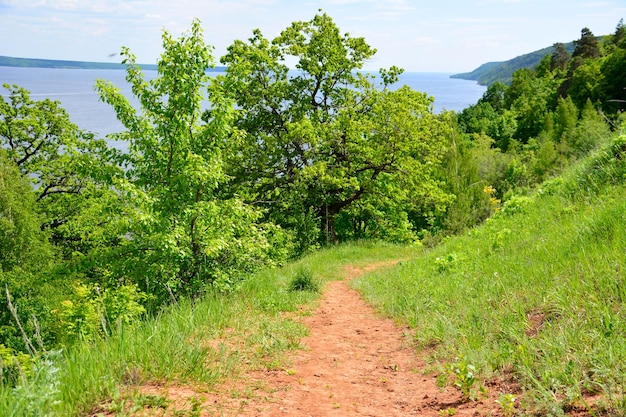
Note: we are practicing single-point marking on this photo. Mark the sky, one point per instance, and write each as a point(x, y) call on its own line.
point(417, 35)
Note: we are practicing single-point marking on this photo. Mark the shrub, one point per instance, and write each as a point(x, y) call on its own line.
point(304, 281)
point(13, 365)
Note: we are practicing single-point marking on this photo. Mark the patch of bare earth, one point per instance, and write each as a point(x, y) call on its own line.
point(354, 363)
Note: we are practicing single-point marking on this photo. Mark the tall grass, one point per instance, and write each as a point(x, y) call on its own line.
point(537, 293)
point(198, 343)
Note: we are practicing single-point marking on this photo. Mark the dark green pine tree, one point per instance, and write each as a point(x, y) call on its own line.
point(587, 46)
point(560, 57)
point(619, 38)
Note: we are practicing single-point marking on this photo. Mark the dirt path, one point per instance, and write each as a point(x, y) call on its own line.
point(355, 364)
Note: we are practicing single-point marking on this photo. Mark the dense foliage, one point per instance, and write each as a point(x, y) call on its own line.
point(181, 235)
point(223, 175)
point(218, 177)
point(521, 134)
point(327, 152)
point(492, 72)
point(100, 236)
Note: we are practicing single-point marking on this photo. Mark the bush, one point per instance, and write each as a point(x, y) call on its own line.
point(93, 312)
point(304, 281)
point(13, 365)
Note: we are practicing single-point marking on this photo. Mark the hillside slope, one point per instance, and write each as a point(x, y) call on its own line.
point(7, 61)
point(503, 71)
point(533, 301)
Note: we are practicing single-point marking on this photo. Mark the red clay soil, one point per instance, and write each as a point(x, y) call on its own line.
point(354, 363)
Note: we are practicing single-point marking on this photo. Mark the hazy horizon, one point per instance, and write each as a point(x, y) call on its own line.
point(446, 36)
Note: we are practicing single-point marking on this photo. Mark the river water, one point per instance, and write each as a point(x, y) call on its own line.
point(74, 88)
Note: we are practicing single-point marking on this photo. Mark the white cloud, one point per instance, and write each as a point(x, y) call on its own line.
point(424, 40)
point(475, 20)
point(379, 4)
point(443, 35)
point(491, 2)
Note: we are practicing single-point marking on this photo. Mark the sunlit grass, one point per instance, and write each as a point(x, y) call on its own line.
point(537, 294)
point(538, 291)
point(200, 343)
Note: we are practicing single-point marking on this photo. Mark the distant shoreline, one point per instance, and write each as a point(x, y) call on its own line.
point(7, 61)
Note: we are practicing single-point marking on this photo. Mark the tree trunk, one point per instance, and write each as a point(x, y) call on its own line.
point(328, 224)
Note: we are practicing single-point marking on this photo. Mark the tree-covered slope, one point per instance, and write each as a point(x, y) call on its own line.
point(93, 239)
point(491, 72)
point(535, 296)
point(8, 61)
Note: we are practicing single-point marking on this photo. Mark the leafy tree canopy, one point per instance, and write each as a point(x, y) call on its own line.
point(179, 234)
point(323, 137)
point(22, 242)
point(587, 46)
point(46, 146)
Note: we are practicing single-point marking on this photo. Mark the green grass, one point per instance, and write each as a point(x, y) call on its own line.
point(537, 293)
point(195, 343)
point(304, 281)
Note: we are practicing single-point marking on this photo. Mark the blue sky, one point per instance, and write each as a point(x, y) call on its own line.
point(432, 35)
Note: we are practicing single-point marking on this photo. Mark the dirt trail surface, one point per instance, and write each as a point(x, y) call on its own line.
point(355, 363)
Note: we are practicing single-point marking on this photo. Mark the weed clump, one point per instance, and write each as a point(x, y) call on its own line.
point(304, 281)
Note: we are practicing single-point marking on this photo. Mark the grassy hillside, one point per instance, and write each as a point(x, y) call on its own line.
point(491, 72)
point(191, 343)
point(535, 297)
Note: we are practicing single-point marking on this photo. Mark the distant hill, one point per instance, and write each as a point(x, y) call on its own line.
point(503, 71)
point(7, 61)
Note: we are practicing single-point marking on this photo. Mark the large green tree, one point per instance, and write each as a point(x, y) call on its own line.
point(530, 97)
point(178, 233)
point(22, 242)
point(559, 58)
point(613, 83)
point(69, 168)
point(24, 252)
point(38, 137)
point(587, 46)
point(324, 137)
